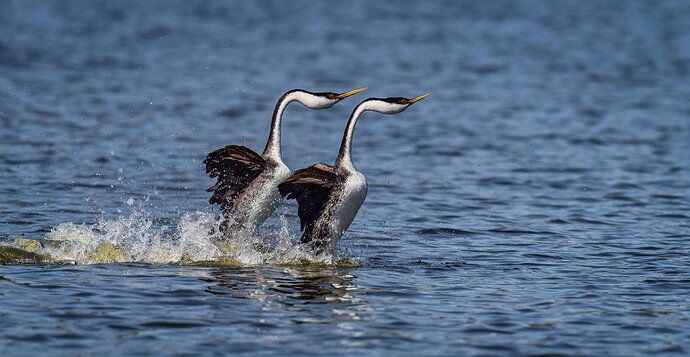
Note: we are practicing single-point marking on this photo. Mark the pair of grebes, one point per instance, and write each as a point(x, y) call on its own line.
point(250, 186)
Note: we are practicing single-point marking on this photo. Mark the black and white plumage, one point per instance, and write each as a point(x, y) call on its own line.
point(329, 197)
point(247, 183)
point(236, 167)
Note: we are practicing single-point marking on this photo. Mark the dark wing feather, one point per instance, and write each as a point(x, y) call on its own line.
point(236, 167)
point(311, 187)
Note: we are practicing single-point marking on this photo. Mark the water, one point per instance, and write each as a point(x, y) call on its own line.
point(537, 203)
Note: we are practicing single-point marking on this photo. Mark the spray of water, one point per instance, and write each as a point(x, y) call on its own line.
point(195, 240)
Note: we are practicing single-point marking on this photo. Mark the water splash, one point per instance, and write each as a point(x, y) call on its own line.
point(195, 240)
point(133, 238)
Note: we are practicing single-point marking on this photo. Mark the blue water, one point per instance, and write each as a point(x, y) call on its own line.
point(537, 203)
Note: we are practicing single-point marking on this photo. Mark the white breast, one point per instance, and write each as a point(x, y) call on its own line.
point(262, 198)
point(353, 195)
point(271, 197)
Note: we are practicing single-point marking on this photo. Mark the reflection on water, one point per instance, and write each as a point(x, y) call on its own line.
point(318, 296)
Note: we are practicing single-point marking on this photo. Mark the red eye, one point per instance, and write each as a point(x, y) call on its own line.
point(403, 101)
point(330, 96)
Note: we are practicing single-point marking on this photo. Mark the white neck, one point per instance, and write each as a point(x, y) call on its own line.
point(272, 149)
point(344, 160)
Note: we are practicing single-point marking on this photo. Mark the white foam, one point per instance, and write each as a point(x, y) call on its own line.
point(136, 238)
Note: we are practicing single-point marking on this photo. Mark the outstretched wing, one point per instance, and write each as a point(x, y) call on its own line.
point(311, 187)
point(236, 167)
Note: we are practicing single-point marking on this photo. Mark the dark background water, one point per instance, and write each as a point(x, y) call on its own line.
point(537, 203)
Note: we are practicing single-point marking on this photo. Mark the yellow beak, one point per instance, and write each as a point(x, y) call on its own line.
point(419, 98)
point(352, 92)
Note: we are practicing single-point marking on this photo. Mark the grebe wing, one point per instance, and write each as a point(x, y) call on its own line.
point(236, 167)
point(311, 187)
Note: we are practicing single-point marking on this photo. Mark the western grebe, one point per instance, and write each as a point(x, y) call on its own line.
point(247, 186)
point(330, 196)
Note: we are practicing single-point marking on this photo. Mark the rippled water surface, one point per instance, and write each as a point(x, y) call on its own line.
point(537, 203)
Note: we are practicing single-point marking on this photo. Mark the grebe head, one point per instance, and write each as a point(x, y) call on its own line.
point(323, 100)
point(392, 105)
